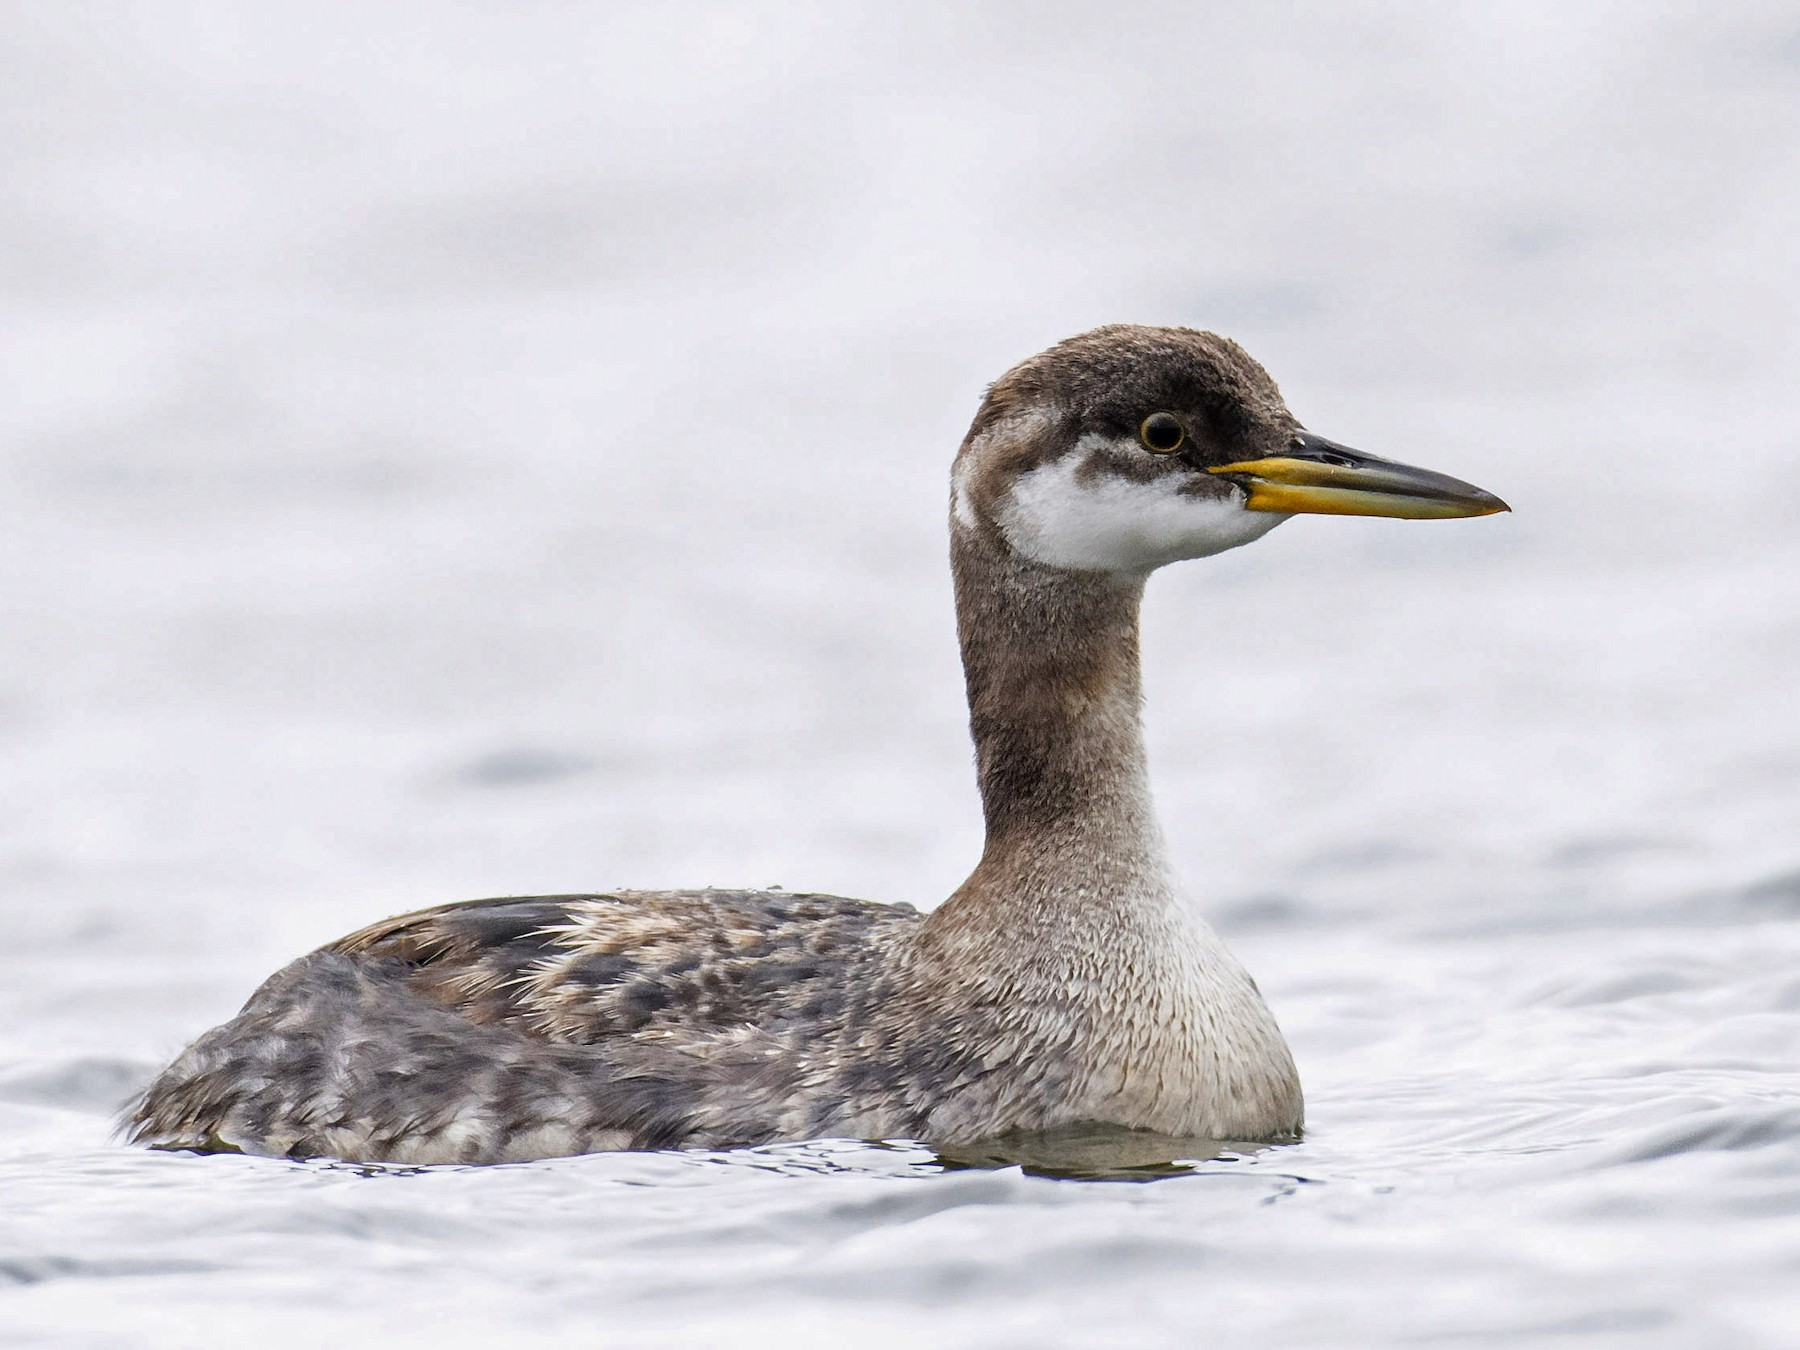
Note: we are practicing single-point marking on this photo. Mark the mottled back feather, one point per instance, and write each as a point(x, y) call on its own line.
point(577, 969)
point(530, 1026)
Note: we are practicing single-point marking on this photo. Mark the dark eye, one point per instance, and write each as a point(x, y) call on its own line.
point(1162, 433)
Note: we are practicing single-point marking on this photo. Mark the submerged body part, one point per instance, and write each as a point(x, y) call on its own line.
point(1067, 982)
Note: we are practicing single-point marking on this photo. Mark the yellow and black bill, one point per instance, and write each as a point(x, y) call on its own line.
point(1320, 477)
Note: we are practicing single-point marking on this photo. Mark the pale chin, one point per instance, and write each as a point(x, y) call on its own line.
point(1109, 524)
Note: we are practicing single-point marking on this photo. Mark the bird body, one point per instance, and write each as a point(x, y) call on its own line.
point(1067, 982)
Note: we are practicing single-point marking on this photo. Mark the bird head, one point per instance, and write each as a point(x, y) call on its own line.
point(1127, 448)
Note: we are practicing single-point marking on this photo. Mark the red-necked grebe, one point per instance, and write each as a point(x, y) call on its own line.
point(1067, 982)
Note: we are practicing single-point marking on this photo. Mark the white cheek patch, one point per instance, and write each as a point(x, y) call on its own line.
point(1112, 524)
point(962, 504)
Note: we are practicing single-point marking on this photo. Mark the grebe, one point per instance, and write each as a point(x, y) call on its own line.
point(1066, 983)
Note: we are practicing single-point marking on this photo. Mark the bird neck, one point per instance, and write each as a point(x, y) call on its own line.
point(1050, 658)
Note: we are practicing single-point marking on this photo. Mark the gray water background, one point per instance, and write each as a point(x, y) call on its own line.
point(456, 449)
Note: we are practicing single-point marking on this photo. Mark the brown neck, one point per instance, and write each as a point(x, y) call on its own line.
point(1051, 662)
